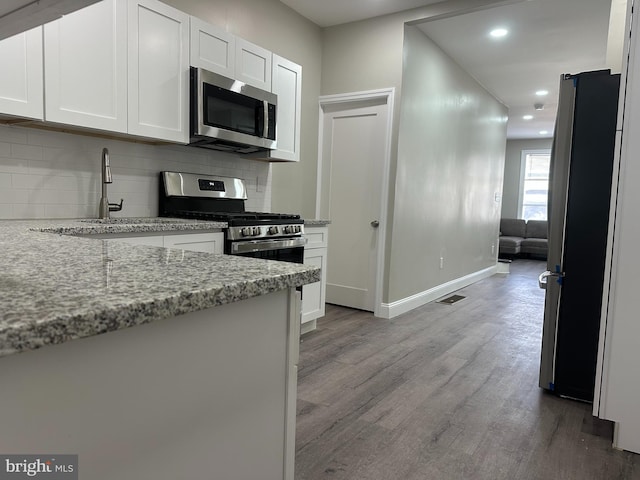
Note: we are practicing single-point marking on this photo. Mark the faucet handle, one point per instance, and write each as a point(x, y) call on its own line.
point(116, 207)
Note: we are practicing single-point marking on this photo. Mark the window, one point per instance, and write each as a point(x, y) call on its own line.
point(534, 184)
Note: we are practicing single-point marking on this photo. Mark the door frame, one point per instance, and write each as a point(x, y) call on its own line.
point(352, 100)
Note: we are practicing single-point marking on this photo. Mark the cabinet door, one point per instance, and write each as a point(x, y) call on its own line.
point(253, 64)
point(21, 91)
point(287, 84)
point(158, 59)
point(196, 242)
point(212, 48)
point(313, 295)
point(86, 67)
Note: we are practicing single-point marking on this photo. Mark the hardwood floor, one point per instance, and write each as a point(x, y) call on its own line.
point(445, 392)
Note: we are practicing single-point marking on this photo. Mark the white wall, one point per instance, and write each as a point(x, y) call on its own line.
point(47, 174)
point(512, 172)
point(368, 55)
point(451, 145)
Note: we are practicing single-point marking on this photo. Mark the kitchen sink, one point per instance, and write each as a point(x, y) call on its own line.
point(133, 220)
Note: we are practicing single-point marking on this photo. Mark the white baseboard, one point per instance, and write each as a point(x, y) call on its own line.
point(390, 310)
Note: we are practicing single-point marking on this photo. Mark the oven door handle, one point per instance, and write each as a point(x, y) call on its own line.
point(264, 245)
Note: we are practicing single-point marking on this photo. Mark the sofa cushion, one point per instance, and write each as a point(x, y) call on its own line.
point(509, 245)
point(512, 227)
point(536, 246)
point(536, 229)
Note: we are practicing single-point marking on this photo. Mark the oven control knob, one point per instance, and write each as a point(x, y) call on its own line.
point(256, 231)
point(287, 229)
point(296, 229)
point(245, 232)
point(273, 230)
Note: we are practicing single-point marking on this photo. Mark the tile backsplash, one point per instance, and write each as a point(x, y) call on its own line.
point(47, 174)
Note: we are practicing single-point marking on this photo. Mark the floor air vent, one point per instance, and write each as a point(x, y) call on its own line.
point(451, 300)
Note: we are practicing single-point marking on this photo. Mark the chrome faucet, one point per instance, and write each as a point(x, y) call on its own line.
point(105, 206)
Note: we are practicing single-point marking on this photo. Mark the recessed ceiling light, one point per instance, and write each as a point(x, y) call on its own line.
point(543, 132)
point(542, 93)
point(527, 117)
point(499, 32)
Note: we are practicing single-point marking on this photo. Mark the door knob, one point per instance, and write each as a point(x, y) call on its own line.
point(375, 224)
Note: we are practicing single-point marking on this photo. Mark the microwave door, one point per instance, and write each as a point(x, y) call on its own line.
point(231, 112)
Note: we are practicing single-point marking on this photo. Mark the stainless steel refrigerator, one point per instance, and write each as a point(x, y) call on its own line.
point(578, 220)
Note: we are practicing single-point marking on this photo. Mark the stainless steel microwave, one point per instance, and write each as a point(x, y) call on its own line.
point(229, 115)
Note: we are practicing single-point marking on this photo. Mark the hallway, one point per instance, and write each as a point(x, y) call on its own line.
point(445, 392)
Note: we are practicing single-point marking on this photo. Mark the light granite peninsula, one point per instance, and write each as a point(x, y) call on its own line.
point(204, 384)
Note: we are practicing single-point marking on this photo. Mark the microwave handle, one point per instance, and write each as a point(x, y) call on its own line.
point(265, 118)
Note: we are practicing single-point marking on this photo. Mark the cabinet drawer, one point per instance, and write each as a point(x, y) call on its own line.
point(196, 242)
point(316, 237)
point(151, 240)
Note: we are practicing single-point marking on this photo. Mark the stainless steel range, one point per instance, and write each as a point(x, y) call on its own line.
point(274, 236)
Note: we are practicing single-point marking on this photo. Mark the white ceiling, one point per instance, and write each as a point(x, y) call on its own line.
point(547, 38)
point(327, 13)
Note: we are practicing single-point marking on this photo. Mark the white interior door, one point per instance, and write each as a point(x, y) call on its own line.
point(354, 152)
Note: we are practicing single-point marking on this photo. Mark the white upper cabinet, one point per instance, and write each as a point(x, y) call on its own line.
point(122, 66)
point(86, 67)
point(158, 60)
point(212, 48)
point(287, 84)
point(253, 64)
point(220, 52)
point(17, 16)
point(21, 91)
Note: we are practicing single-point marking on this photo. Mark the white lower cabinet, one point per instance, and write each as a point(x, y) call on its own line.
point(195, 396)
point(196, 242)
point(313, 295)
point(21, 91)
point(209, 242)
point(150, 240)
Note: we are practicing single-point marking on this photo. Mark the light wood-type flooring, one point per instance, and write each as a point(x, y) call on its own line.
point(445, 392)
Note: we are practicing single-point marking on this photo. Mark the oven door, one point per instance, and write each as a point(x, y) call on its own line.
point(282, 249)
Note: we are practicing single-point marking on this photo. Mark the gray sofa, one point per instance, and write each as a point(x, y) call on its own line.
point(520, 237)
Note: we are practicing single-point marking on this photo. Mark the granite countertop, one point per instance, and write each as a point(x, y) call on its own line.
point(59, 287)
point(316, 222)
point(117, 225)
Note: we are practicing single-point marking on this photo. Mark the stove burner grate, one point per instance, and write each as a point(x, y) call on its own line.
point(237, 218)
